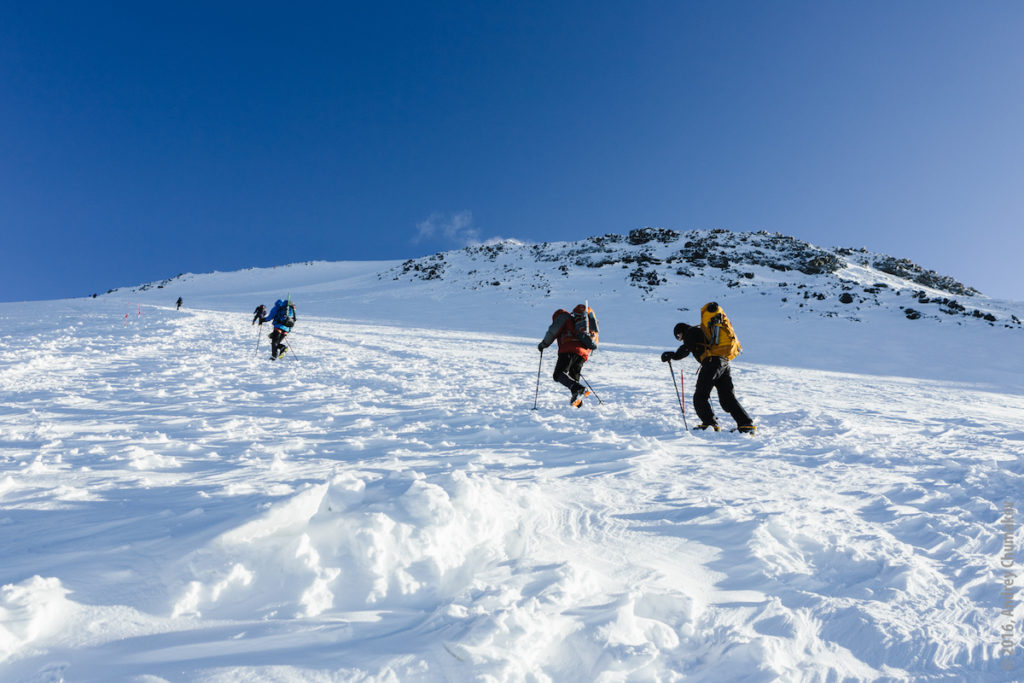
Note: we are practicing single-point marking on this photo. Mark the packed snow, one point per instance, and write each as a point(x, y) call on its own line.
point(383, 504)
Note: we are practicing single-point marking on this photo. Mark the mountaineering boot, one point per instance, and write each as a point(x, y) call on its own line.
point(578, 396)
point(280, 354)
point(703, 425)
point(746, 429)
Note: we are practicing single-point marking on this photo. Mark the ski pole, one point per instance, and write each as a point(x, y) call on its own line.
point(678, 395)
point(291, 348)
point(599, 401)
point(259, 333)
point(537, 393)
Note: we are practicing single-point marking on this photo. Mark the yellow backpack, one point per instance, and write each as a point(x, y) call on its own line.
point(721, 337)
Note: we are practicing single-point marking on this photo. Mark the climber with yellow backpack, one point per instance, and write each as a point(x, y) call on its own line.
point(713, 343)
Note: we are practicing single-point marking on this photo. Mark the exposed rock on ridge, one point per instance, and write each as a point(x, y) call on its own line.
point(830, 282)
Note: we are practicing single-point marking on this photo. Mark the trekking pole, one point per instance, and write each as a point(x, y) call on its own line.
point(537, 393)
point(678, 395)
point(259, 335)
point(599, 401)
point(291, 348)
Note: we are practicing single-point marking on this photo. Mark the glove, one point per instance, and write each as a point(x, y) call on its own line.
point(541, 347)
point(667, 356)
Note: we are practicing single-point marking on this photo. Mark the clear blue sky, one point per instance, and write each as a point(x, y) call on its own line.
point(139, 140)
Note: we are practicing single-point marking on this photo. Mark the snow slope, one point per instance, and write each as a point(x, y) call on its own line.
point(384, 505)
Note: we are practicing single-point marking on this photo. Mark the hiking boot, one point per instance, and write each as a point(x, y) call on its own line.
point(578, 396)
point(280, 354)
point(746, 429)
point(704, 425)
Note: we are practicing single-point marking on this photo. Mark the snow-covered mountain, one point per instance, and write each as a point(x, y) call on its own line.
point(795, 299)
point(657, 263)
point(383, 504)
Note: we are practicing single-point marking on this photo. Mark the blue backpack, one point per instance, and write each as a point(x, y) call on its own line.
point(285, 315)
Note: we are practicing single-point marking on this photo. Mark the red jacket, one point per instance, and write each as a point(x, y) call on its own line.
point(570, 340)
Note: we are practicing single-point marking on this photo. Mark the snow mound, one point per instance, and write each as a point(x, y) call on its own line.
point(362, 541)
point(30, 609)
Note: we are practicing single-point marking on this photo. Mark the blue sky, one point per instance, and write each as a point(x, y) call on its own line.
point(140, 140)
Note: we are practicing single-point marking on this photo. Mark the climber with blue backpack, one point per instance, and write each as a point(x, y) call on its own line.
point(283, 317)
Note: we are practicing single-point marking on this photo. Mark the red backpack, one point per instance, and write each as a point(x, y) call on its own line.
point(579, 332)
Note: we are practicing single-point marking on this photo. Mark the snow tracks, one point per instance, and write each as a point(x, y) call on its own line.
point(382, 504)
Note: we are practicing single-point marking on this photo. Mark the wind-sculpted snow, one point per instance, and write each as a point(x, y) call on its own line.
point(362, 540)
point(383, 504)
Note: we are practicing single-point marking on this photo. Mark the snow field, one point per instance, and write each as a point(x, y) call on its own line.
point(384, 505)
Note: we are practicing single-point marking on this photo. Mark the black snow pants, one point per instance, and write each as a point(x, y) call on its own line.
point(277, 345)
point(568, 369)
point(715, 374)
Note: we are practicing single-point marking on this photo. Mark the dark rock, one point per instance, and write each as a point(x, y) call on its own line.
point(645, 235)
point(821, 263)
point(907, 269)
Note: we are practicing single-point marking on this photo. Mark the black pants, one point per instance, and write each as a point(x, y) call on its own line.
point(715, 374)
point(277, 344)
point(568, 369)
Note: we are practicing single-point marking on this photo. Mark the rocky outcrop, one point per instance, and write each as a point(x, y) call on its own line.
point(908, 270)
point(828, 282)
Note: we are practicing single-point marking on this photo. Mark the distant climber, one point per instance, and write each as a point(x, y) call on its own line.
point(283, 317)
point(713, 344)
point(576, 333)
point(259, 314)
point(179, 304)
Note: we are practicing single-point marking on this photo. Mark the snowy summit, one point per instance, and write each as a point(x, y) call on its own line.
point(382, 503)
